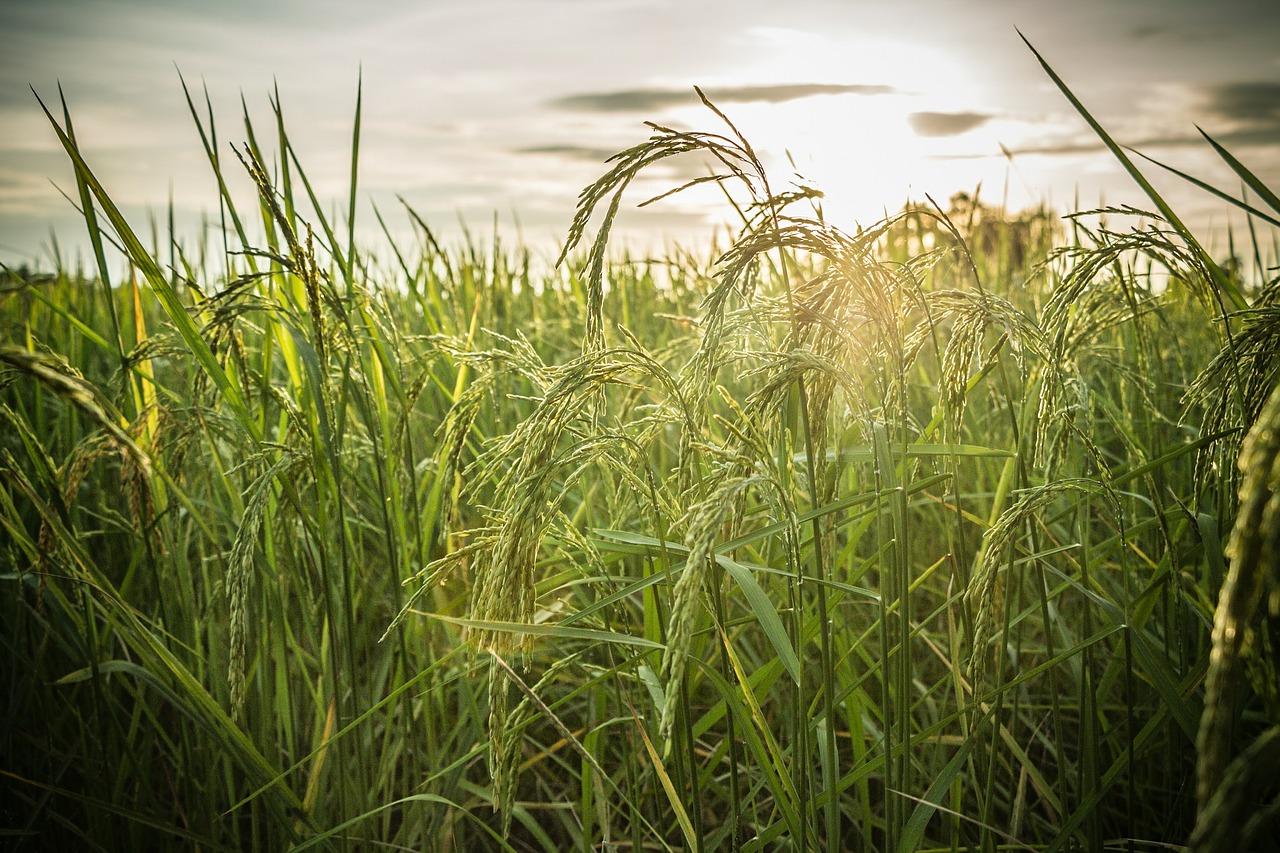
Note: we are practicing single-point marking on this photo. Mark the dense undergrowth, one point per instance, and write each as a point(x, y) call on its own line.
point(902, 538)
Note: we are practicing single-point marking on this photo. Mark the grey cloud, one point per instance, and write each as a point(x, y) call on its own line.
point(1248, 103)
point(570, 152)
point(686, 168)
point(1148, 31)
point(1046, 149)
point(1173, 33)
point(640, 100)
point(13, 182)
point(1242, 113)
point(1241, 138)
point(946, 124)
point(1260, 135)
point(677, 169)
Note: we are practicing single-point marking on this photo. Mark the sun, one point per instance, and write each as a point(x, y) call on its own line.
point(858, 150)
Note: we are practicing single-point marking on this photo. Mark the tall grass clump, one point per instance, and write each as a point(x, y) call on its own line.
point(952, 532)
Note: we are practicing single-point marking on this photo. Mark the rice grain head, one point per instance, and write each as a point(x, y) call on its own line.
point(1253, 577)
point(999, 540)
point(240, 574)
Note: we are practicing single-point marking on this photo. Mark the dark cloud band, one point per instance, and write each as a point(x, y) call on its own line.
point(1249, 103)
point(570, 152)
point(946, 124)
point(640, 100)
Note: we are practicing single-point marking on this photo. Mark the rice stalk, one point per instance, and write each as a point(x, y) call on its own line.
point(58, 377)
point(1234, 386)
point(705, 523)
point(531, 462)
point(972, 315)
point(503, 752)
point(240, 574)
point(738, 162)
point(301, 260)
point(506, 733)
point(1253, 578)
point(998, 543)
point(1242, 810)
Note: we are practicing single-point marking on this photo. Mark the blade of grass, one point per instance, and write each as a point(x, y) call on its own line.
point(169, 299)
point(766, 613)
point(1224, 282)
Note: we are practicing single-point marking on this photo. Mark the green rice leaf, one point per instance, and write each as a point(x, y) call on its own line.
point(1209, 188)
point(557, 631)
point(765, 613)
point(1228, 287)
point(1251, 180)
point(168, 297)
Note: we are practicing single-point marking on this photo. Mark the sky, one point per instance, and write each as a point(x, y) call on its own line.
point(501, 111)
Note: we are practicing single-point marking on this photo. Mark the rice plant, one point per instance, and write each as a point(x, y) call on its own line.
point(953, 532)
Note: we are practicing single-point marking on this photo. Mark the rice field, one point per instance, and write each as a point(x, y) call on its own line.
point(956, 532)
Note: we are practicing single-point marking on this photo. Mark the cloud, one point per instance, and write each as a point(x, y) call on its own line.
point(570, 152)
point(1149, 31)
point(1249, 103)
point(641, 100)
point(676, 169)
point(946, 124)
point(1241, 113)
point(1237, 115)
point(1243, 138)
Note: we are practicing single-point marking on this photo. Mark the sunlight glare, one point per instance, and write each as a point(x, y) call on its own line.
point(859, 150)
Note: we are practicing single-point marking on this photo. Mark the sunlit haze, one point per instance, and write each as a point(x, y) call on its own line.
point(504, 109)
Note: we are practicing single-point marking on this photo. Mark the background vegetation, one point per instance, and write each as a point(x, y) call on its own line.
point(902, 538)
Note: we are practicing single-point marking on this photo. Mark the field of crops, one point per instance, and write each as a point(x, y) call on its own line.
point(909, 537)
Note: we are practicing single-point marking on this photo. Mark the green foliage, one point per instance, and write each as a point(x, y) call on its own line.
point(900, 539)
